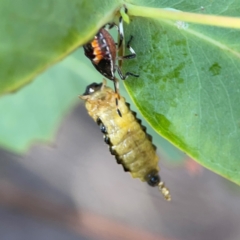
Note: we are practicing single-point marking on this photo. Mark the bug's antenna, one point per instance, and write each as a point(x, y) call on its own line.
point(164, 190)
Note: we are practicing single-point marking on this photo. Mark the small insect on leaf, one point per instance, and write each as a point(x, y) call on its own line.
point(103, 53)
point(126, 137)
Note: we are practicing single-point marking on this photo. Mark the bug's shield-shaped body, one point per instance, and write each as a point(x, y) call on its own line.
point(102, 53)
point(126, 137)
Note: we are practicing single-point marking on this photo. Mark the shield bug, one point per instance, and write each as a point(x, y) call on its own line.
point(126, 137)
point(102, 52)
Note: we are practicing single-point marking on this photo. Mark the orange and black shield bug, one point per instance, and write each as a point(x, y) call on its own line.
point(102, 52)
point(126, 137)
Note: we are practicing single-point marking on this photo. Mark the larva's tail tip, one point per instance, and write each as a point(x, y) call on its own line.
point(168, 198)
point(165, 191)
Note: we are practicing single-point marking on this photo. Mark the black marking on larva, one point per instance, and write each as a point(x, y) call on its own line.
point(98, 121)
point(119, 160)
point(139, 121)
point(144, 128)
point(134, 113)
point(112, 151)
point(118, 111)
point(103, 128)
point(107, 139)
point(149, 136)
point(155, 148)
point(127, 104)
point(153, 178)
point(125, 168)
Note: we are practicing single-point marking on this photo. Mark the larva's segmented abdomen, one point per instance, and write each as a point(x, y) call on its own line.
point(133, 148)
point(126, 137)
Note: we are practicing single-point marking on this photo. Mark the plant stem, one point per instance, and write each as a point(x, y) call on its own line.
point(159, 13)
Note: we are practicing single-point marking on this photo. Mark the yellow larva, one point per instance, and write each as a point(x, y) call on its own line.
point(126, 137)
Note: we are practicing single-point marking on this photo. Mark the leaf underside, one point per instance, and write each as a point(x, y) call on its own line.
point(36, 34)
point(189, 88)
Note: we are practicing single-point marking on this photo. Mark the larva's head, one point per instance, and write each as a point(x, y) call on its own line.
point(92, 88)
point(98, 98)
point(97, 92)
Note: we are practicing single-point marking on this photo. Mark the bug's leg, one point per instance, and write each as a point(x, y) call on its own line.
point(111, 25)
point(129, 56)
point(117, 95)
point(120, 31)
point(126, 75)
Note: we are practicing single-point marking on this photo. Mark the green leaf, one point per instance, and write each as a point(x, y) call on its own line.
point(189, 88)
point(34, 113)
point(36, 34)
